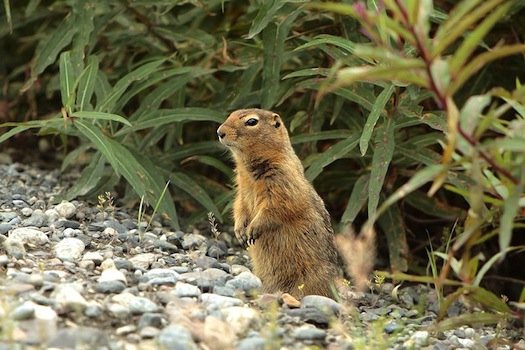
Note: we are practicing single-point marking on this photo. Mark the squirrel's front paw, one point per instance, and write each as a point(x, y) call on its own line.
point(240, 234)
point(252, 234)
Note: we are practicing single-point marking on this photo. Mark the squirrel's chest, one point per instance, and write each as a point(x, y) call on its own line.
point(254, 195)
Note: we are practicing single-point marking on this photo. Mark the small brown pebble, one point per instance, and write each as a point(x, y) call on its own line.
point(267, 300)
point(290, 301)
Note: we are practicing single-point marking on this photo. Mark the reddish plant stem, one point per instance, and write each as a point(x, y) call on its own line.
point(487, 158)
point(441, 99)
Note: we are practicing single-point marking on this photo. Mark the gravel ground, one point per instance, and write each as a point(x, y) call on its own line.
point(73, 275)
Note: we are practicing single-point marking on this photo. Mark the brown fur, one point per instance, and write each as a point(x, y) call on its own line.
point(277, 212)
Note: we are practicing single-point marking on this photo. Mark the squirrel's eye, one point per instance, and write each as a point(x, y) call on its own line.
point(251, 122)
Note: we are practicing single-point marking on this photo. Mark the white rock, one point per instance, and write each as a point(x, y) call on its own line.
point(108, 264)
point(69, 298)
point(109, 232)
point(26, 211)
point(186, 290)
point(14, 248)
point(238, 269)
point(69, 249)
point(87, 265)
point(117, 310)
point(215, 301)
point(71, 232)
point(142, 261)
point(55, 274)
point(420, 338)
point(93, 256)
point(135, 304)
point(52, 215)
point(241, 319)
point(127, 329)
point(467, 343)
point(112, 275)
point(28, 235)
point(66, 209)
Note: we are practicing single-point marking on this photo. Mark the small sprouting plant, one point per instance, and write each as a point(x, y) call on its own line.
point(213, 225)
point(379, 280)
point(106, 202)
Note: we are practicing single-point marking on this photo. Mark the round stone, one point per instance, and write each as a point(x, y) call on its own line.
point(135, 304)
point(23, 312)
point(66, 209)
point(192, 241)
point(37, 219)
point(28, 235)
point(149, 319)
point(206, 279)
point(321, 303)
point(160, 277)
point(420, 338)
point(215, 302)
point(5, 227)
point(241, 319)
point(142, 261)
point(309, 333)
point(68, 298)
point(69, 249)
point(245, 281)
point(110, 287)
point(93, 256)
point(183, 290)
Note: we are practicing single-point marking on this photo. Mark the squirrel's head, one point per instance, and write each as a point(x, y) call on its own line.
point(253, 129)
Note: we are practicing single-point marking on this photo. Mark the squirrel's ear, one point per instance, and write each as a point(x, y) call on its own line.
point(276, 120)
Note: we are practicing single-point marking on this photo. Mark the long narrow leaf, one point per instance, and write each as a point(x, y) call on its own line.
point(468, 46)
point(419, 179)
point(67, 80)
point(405, 73)
point(321, 135)
point(326, 39)
point(274, 36)
point(377, 109)
point(392, 222)
point(332, 154)
point(264, 16)
point(357, 200)
point(510, 210)
point(380, 162)
point(101, 116)
point(166, 116)
point(86, 84)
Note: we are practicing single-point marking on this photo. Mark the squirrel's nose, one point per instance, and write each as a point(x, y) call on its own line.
point(220, 133)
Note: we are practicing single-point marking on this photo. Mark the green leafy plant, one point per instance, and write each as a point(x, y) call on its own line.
point(407, 54)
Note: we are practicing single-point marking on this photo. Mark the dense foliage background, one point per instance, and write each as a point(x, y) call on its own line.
point(413, 105)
